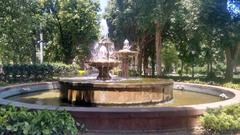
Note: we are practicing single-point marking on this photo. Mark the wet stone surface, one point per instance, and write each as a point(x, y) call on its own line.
point(119, 93)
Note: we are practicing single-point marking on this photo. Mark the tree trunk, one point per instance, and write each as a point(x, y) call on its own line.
point(145, 64)
point(231, 56)
point(33, 53)
point(153, 65)
point(230, 63)
point(139, 62)
point(141, 46)
point(139, 68)
point(181, 72)
point(208, 67)
point(158, 45)
point(68, 48)
point(211, 66)
point(193, 71)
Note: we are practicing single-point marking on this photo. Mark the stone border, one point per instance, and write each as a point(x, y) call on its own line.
point(118, 93)
point(130, 119)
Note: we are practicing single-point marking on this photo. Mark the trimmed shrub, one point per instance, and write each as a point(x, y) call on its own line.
point(24, 122)
point(222, 121)
point(36, 72)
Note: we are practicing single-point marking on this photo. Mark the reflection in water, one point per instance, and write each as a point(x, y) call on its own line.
point(52, 97)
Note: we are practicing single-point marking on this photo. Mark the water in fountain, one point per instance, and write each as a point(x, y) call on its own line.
point(126, 45)
point(103, 58)
point(103, 53)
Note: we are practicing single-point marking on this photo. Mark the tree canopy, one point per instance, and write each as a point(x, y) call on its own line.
point(190, 33)
point(201, 29)
point(68, 27)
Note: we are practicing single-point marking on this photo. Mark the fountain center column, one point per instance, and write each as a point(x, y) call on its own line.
point(103, 59)
point(125, 66)
point(125, 55)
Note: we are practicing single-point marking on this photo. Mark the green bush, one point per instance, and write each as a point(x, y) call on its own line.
point(220, 121)
point(232, 85)
point(133, 73)
point(24, 122)
point(200, 70)
point(36, 72)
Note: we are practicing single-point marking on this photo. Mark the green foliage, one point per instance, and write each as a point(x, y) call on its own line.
point(25, 122)
point(36, 72)
point(17, 31)
point(232, 85)
point(197, 81)
point(222, 31)
point(61, 69)
point(70, 25)
point(133, 73)
point(3, 84)
point(218, 81)
point(169, 57)
point(224, 120)
point(139, 21)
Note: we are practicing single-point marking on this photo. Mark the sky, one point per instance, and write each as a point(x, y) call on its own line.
point(104, 27)
point(103, 4)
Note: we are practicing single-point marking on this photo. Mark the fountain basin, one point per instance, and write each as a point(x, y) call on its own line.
point(125, 56)
point(117, 93)
point(104, 67)
point(129, 119)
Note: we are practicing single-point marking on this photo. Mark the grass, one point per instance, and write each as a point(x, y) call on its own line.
point(3, 84)
point(235, 83)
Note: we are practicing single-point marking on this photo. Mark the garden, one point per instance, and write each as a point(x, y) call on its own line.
point(67, 63)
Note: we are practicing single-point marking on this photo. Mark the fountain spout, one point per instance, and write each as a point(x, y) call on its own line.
point(103, 58)
point(126, 45)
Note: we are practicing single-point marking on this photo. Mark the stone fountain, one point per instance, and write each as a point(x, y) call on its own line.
point(121, 91)
point(103, 59)
point(125, 56)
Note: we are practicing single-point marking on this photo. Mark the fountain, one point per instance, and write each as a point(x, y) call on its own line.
point(125, 55)
point(144, 118)
point(103, 59)
point(103, 91)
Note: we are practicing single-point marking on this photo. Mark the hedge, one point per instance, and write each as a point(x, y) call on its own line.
point(35, 72)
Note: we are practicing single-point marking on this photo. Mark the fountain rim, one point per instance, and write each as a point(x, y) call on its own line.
point(117, 83)
point(199, 108)
point(122, 53)
point(105, 61)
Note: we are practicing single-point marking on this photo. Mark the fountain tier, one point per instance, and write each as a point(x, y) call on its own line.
point(125, 56)
point(118, 93)
point(104, 67)
point(103, 58)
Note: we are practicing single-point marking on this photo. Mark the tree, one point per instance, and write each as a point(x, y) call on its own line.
point(184, 33)
point(17, 31)
point(72, 24)
point(142, 21)
point(128, 19)
point(169, 57)
point(221, 24)
point(163, 12)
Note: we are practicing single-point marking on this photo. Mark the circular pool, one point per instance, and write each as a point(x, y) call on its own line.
point(131, 118)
